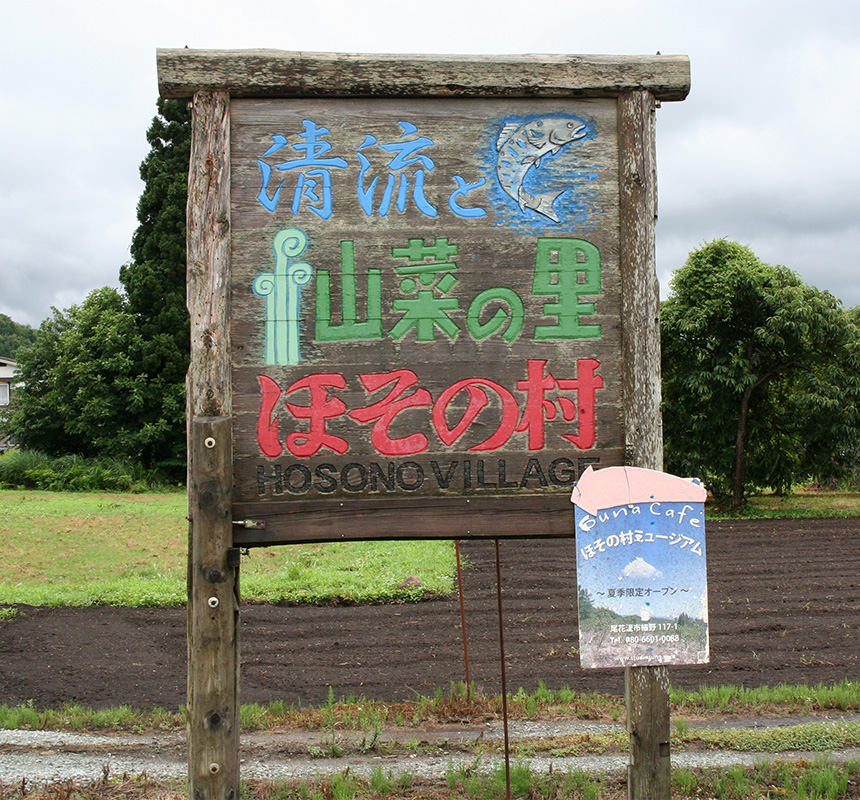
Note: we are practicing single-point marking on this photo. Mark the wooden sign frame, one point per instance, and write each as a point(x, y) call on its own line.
point(211, 79)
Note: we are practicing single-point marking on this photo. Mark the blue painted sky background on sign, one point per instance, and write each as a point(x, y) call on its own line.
point(763, 151)
point(680, 568)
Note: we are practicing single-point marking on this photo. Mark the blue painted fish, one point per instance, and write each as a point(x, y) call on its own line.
point(521, 146)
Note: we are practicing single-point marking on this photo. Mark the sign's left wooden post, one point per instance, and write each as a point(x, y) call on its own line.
point(213, 570)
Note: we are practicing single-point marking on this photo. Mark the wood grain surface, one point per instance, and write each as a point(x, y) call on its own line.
point(279, 73)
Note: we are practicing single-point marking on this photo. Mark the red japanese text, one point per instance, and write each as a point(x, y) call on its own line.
point(543, 398)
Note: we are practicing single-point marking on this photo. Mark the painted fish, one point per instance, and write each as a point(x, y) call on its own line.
point(521, 146)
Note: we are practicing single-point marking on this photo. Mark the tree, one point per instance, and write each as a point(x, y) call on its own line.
point(154, 280)
point(585, 605)
point(83, 390)
point(35, 422)
point(14, 336)
point(761, 374)
point(108, 377)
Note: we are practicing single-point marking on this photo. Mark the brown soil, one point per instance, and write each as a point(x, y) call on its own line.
point(784, 608)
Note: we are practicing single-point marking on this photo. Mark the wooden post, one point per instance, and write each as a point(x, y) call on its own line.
point(649, 773)
point(647, 688)
point(213, 629)
point(213, 573)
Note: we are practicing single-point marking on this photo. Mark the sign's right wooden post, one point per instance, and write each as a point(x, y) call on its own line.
point(646, 688)
point(641, 567)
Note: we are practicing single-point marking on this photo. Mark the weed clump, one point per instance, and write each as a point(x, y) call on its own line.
point(31, 469)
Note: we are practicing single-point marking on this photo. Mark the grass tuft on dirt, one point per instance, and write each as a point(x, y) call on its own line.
point(787, 780)
point(455, 704)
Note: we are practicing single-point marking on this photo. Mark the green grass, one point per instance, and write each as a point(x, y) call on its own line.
point(816, 737)
point(800, 504)
point(82, 718)
point(789, 780)
point(362, 714)
point(355, 571)
point(784, 698)
point(79, 549)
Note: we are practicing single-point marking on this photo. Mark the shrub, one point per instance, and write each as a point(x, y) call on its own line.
point(31, 469)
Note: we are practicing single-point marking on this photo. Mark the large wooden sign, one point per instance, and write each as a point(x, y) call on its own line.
point(426, 300)
point(423, 301)
point(427, 296)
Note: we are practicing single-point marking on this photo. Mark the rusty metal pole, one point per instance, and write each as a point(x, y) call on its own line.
point(504, 675)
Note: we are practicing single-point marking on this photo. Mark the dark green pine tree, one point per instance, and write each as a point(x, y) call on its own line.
point(154, 280)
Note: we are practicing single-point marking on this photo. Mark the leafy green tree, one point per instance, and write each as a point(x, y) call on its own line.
point(107, 377)
point(14, 336)
point(83, 390)
point(761, 374)
point(35, 422)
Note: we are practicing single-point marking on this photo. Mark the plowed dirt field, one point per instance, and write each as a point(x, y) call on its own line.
point(784, 608)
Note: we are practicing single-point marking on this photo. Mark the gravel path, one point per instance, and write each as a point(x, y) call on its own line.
point(47, 756)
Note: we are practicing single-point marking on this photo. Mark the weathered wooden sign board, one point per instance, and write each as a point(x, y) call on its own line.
point(423, 301)
point(426, 300)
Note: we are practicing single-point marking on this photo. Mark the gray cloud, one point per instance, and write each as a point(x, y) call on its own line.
point(763, 151)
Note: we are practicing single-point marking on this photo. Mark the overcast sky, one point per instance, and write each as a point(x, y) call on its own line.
point(765, 150)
